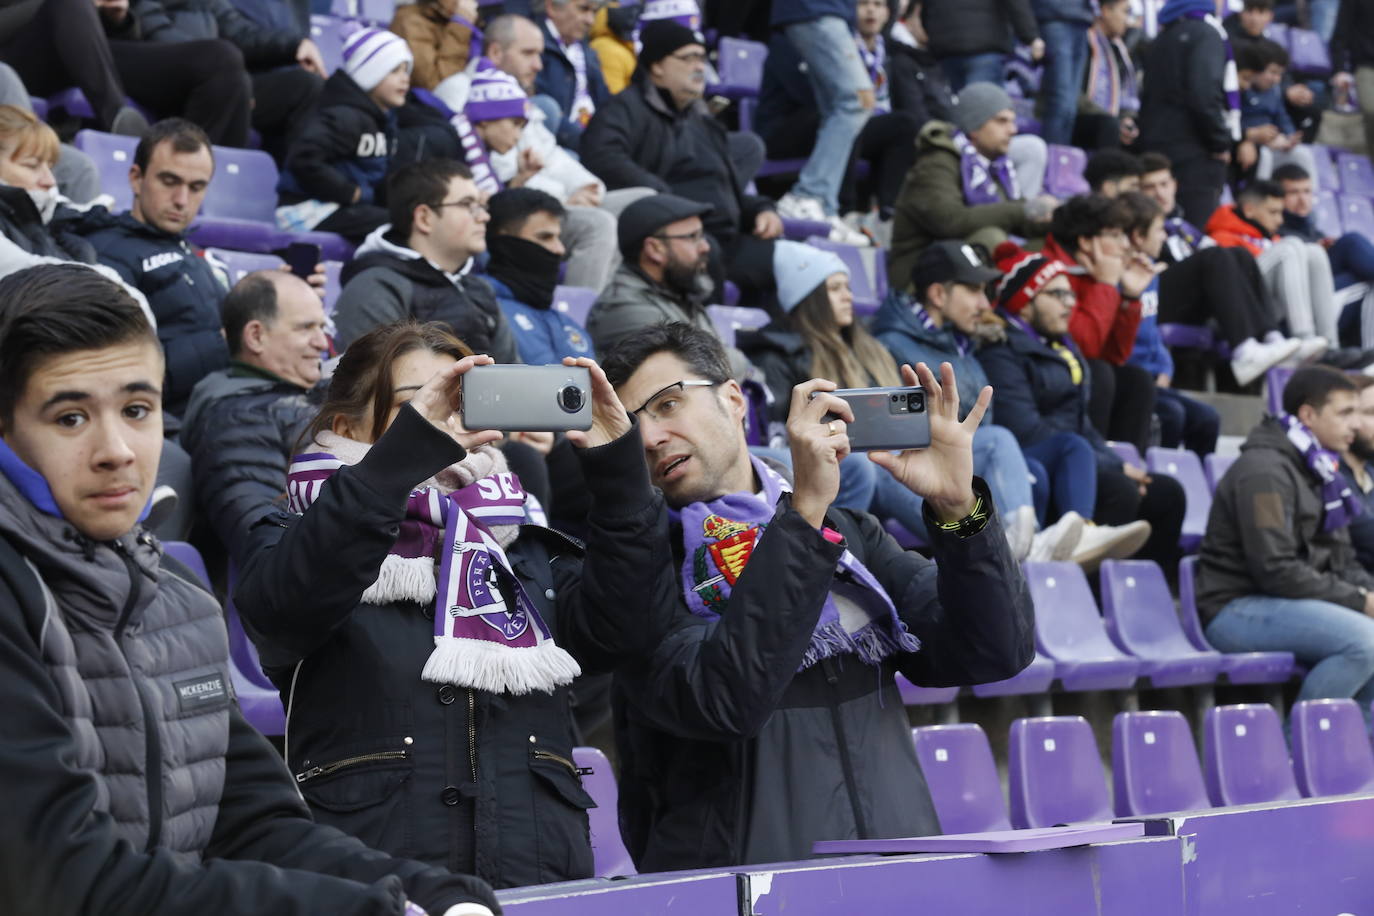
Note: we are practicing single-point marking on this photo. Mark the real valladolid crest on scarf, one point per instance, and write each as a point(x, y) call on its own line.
point(488, 634)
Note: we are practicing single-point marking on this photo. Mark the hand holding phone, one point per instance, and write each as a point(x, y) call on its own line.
point(302, 258)
point(885, 418)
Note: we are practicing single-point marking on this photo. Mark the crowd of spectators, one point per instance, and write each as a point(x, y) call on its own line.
point(432, 602)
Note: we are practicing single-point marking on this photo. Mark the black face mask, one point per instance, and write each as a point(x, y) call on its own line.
point(528, 268)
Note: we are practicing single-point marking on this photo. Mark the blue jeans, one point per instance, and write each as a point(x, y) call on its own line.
point(1066, 63)
point(1352, 260)
point(973, 68)
point(858, 478)
point(1186, 423)
point(1069, 465)
point(1322, 14)
point(1335, 642)
point(836, 75)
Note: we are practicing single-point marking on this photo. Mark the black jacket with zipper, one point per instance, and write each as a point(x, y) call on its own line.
point(729, 755)
point(478, 782)
point(1183, 102)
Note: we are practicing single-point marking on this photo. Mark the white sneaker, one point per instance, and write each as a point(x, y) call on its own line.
point(842, 232)
point(799, 206)
point(1058, 542)
point(1114, 542)
point(1020, 528)
point(1311, 349)
point(1252, 358)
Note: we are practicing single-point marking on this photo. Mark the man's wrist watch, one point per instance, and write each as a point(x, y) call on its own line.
point(970, 524)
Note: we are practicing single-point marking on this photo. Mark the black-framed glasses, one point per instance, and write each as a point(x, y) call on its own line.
point(691, 57)
point(1065, 296)
point(474, 207)
point(693, 237)
point(667, 401)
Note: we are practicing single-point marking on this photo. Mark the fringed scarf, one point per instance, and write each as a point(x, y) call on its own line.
point(488, 635)
point(1111, 75)
point(1339, 501)
point(875, 62)
point(984, 181)
point(719, 537)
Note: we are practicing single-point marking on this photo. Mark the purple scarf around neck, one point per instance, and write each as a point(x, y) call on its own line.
point(961, 341)
point(984, 182)
point(875, 62)
point(719, 537)
point(1230, 81)
point(1340, 502)
point(486, 637)
point(1111, 76)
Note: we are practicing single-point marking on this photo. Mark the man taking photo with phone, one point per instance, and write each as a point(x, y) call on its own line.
point(766, 717)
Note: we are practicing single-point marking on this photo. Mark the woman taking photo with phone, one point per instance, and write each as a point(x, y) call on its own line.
point(423, 637)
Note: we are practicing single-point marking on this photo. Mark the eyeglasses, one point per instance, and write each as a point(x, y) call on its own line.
point(665, 403)
point(1065, 296)
point(691, 57)
point(693, 237)
point(475, 208)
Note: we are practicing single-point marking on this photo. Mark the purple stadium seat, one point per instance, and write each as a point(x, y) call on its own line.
point(866, 266)
point(1127, 453)
point(1184, 466)
point(1154, 764)
point(1326, 212)
point(611, 859)
point(242, 263)
point(925, 696)
point(910, 540)
point(801, 230)
point(740, 65)
point(1215, 467)
point(1055, 774)
point(113, 154)
point(1141, 620)
point(1064, 178)
point(1331, 753)
point(1034, 678)
point(186, 553)
point(1357, 214)
point(1245, 758)
point(1307, 54)
point(1328, 177)
point(374, 11)
point(328, 33)
point(257, 696)
point(731, 293)
point(1069, 631)
point(1357, 175)
point(39, 106)
point(1192, 336)
point(1277, 32)
point(1274, 380)
point(730, 319)
point(962, 775)
point(575, 302)
point(1239, 667)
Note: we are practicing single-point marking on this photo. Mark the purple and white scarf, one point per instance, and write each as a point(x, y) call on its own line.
point(475, 154)
point(1339, 501)
point(875, 62)
point(1230, 80)
point(961, 341)
point(582, 105)
point(460, 520)
point(476, 41)
point(1111, 75)
point(984, 181)
point(719, 537)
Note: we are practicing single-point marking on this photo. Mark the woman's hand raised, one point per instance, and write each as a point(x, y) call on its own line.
point(438, 399)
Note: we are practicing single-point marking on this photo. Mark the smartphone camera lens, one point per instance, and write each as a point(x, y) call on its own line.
point(917, 401)
point(570, 398)
point(895, 398)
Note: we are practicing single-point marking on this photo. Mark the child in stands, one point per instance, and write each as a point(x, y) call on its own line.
point(335, 176)
point(493, 121)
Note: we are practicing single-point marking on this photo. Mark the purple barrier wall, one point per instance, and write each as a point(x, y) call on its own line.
point(682, 894)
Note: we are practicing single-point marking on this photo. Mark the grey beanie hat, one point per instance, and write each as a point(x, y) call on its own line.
point(978, 103)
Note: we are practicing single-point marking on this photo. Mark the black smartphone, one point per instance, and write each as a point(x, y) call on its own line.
point(891, 419)
point(540, 398)
point(302, 258)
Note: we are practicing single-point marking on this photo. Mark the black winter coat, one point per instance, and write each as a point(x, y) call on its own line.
point(961, 27)
point(241, 432)
point(1036, 396)
point(1183, 102)
point(197, 20)
point(346, 145)
point(784, 358)
point(730, 755)
point(22, 224)
point(480, 783)
point(638, 139)
point(182, 288)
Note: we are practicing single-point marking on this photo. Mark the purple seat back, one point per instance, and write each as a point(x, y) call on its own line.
point(329, 33)
point(1326, 212)
point(1193, 336)
point(1064, 178)
point(1245, 758)
point(1327, 177)
point(1331, 752)
point(962, 776)
point(1140, 611)
point(1055, 774)
point(180, 550)
point(113, 154)
point(731, 319)
point(575, 302)
point(244, 186)
point(374, 11)
point(1067, 624)
point(1187, 605)
point(1277, 32)
point(242, 263)
point(1357, 214)
point(1215, 467)
point(608, 849)
point(1128, 453)
point(924, 696)
point(1185, 467)
point(1307, 53)
point(740, 65)
point(1357, 175)
point(867, 272)
point(1274, 380)
point(257, 696)
point(1154, 764)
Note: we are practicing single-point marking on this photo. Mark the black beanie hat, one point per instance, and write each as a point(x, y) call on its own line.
point(662, 37)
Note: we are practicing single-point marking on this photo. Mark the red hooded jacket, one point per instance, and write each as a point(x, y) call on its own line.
point(1103, 324)
point(1231, 230)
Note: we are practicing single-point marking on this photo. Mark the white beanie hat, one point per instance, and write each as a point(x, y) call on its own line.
point(370, 54)
point(800, 268)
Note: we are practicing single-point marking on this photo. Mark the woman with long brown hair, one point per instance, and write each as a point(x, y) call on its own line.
point(424, 636)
